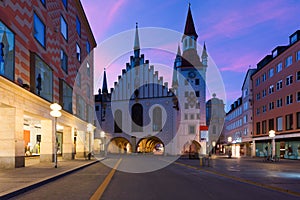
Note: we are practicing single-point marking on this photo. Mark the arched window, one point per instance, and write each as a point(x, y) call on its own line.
point(157, 119)
point(118, 121)
point(137, 118)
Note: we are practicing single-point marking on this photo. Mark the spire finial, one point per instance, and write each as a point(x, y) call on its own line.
point(104, 86)
point(189, 4)
point(136, 39)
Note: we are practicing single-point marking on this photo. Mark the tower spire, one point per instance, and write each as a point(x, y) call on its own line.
point(204, 55)
point(136, 46)
point(104, 86)
point(189, 29)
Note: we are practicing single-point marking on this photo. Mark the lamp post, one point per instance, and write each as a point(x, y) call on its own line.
point(214, 145)
point(102, 135)
point(272, 136)
point(55, 107)
point(89, 128)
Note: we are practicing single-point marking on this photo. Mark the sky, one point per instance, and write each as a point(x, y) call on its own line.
point(237, 34)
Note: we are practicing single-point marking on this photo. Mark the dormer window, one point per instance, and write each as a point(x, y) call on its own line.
point(274, 53)
point(293, 39)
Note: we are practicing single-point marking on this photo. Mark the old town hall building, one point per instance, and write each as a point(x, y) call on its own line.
point(142, 114)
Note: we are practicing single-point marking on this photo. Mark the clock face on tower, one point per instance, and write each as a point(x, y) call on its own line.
point(192, 74)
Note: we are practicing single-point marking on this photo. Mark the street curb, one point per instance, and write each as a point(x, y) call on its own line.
point(43, 181)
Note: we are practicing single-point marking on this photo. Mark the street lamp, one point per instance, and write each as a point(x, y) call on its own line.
point(214, 145)
point(55, 107)
point(89, 128)
point(102, 135)
point(272, 135)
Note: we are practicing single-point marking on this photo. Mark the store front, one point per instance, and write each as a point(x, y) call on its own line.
point(285, 148)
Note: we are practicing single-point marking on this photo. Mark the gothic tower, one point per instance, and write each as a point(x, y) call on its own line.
point(189, 83)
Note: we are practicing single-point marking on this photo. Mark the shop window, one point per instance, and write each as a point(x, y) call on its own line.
point(279, 124)
point(7, 50)
point(78, 26)
point(41, 78)
point(289, 122)
point(65, 93)
point(39, 30)
point(64, 27)
point(64, 61)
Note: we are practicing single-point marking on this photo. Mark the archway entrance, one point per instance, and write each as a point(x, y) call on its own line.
point(119, 145)
point(151, 145)
point(192, 149)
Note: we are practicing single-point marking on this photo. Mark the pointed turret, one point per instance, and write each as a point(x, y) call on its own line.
point(189, 29)
point(204, 55)
point(136, 46)
point(104, 86)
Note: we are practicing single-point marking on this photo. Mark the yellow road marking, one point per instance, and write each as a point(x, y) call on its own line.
point(99, 192)
point(242, 180)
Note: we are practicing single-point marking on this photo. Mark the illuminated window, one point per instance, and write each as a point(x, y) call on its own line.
point(7, 52)
point(279, 124)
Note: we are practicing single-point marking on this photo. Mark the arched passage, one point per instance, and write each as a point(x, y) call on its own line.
point(119, 145)
point(151, 145)
point(192, 149)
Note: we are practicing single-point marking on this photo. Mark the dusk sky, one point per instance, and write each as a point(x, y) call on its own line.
point(238, 34)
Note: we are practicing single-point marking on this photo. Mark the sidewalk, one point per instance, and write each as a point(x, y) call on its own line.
point(18, 180)
point(283, 175)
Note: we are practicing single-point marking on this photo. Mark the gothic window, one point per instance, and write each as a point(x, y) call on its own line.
point(7, 49)
point(157, 119)
point(118, 121)
point(137, 118)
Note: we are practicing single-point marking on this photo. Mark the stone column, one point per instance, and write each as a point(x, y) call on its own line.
point(67, 145)
point(12, 148)
point(47, 141)
point(80, 144)
point(253, 149)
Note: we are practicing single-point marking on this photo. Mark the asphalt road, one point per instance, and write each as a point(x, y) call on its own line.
point(174, 181)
